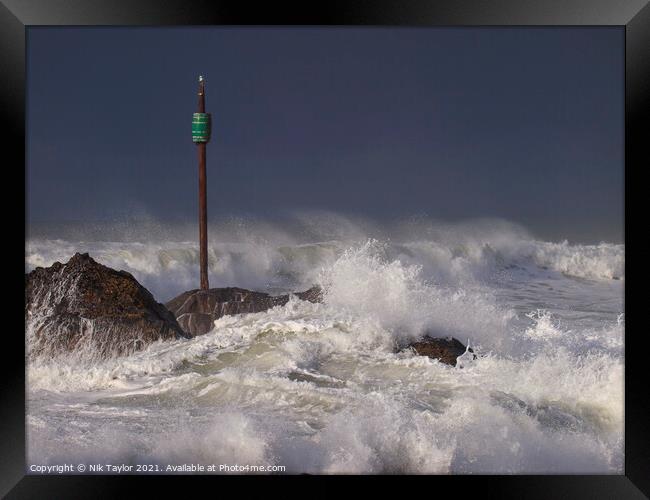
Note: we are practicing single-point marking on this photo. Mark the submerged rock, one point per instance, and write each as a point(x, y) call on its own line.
point(552, 414)
point(445, 350)
point(83, 305)
point(196, 310)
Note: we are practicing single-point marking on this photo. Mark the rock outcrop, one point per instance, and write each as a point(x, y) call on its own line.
point(84, 306)
point(445, 350)
point(87, 307)
point(196, 310)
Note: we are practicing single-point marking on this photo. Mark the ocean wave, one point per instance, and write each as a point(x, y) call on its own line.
point(296, 387)
point(451, 255)
point(325, 388)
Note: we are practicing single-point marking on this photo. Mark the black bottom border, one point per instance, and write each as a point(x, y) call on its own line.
point(501, 487)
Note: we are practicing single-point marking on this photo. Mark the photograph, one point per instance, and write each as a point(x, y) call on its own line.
point(325, 250)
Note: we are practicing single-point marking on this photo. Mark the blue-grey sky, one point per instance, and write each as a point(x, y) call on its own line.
point(525, 124)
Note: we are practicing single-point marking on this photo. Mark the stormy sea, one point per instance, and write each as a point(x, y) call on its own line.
point(319, 387)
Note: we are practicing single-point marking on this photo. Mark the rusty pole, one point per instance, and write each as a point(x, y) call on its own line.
point(203, 206)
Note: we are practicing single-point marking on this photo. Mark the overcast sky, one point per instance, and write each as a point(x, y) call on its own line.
point(453, 123)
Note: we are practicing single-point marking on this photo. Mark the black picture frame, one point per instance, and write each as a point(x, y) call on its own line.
point(634, 15)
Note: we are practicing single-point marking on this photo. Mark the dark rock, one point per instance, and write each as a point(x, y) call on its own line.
point(553, 415)
point(196, 310)
point(83, 305)
point(446, 350)
point(314, 294)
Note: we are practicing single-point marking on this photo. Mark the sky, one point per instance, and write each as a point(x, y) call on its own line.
point(524, 124)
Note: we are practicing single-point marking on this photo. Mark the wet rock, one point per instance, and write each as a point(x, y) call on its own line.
point(314, 294)
point(196, 310)
point(445, 350)
point(84, 306)
point(553, 415)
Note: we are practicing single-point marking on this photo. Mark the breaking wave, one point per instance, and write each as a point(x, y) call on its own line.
point(325, 388)
point(252, 255)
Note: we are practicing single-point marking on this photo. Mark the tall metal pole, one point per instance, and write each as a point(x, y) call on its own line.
point(203, 206)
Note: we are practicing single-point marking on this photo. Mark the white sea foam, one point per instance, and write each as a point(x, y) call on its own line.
point(323, 388)
point(262, 256)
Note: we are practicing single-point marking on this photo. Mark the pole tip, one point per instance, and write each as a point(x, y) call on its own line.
point(200, 78)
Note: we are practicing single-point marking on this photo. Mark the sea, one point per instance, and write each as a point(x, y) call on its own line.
point(328, 388)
